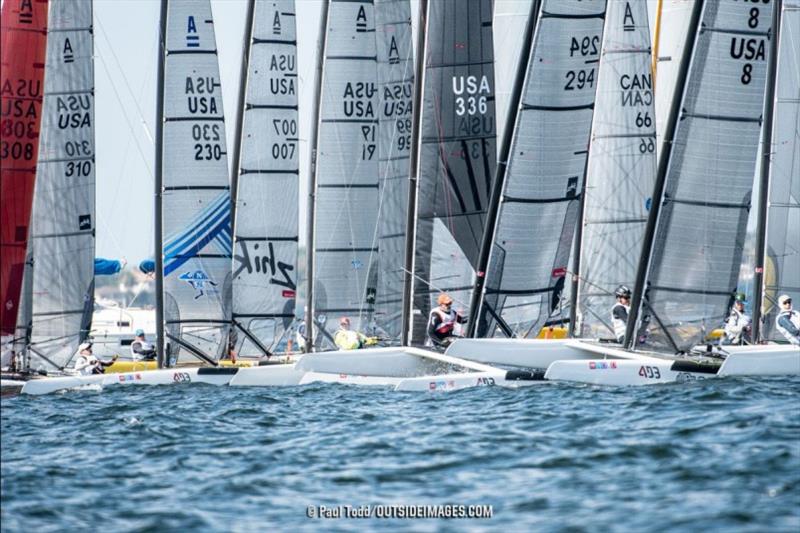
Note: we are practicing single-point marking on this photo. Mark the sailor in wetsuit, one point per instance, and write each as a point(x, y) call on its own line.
point(442, 322)
point(620, 311)
point(788, 320)
point(141, 350)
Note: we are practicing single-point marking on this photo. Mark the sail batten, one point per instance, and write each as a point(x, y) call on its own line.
point(195, 190)
point(346, 195)
point(457, 154)
point(536, 220)
point(265, 257)
point(693, 270)
point(782, 264)
point(23, 37)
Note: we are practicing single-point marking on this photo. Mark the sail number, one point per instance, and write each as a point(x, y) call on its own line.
point(650, 372)
point(16, 150)
point(585, 47)
point(207, 151)
point(18, 128)
point(579, 79)
point(747, 47)
point(403, 127)
point(288, 129)
point(78, 169)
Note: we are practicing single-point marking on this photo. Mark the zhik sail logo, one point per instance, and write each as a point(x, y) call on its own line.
point(199, 281)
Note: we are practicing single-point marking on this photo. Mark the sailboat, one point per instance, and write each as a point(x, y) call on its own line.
point(24, 43)
point(345, 243)
point(61, 240)
point(703, 272)
point(266, 184)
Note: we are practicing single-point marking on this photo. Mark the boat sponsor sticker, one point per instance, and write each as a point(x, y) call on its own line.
point(602, 365)
point(128, 378)
point(441, 385)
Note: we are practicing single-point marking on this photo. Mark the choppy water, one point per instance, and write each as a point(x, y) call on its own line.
point(713, 454)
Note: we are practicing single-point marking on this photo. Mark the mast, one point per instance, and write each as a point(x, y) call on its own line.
point(321, 43)
point(159, 178)
point(656, 40)
point(411, 226)
point(237, 139)
point(576, 258)
point(766, 167)
point(502, 166)
point(661, 177)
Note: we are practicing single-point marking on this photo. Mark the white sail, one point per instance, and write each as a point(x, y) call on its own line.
point(63, 219)
point(694, 265)
point(265, 253)
point(783, 220)
point(395, 90)
point(346, 194)
point(675, 15)
point(622, 166)
point(534, 230)
point(196, 198)
point(457, 154)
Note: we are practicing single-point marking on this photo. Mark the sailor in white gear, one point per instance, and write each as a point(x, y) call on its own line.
point(87, 364)
point(738, 324)
point(788, 320)
point(620, 312)
point(141, 349)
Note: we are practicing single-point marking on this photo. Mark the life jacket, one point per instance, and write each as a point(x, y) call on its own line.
point(794, 317)
point(736, 324)
point(619, 325)
point(86, 364)
point(144, 347)
point(448, 321)
point(347, 339)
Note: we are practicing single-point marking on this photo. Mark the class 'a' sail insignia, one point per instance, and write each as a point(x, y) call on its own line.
point(361, 20)
point(276, 24)
point(69, 55)
point(192, 37)
point(25, 12)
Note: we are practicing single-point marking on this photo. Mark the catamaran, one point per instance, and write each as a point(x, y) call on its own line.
point(701, 134)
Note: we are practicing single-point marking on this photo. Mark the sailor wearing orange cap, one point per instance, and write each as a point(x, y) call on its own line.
point(442, 322)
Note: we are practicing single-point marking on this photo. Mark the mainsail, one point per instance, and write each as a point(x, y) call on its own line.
point(61, 240)
point(457, 154)
point(621, 168)
point(395, 91)
point(23, 41)
point(693, 269)
point(346, 192)
point(783, 218)
point(533, 233)
point(265, 254)
point(195, 189)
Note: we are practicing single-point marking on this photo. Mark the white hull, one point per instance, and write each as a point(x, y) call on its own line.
point(590, 362)
point(761, 360)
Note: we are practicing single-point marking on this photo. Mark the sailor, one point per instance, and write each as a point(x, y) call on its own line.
point(738, 325)
point(87, 364)
point(300, 336)
point(141, 349)
point(620, 311)
point(347, 339)
point(788, 320)
point(442, 322)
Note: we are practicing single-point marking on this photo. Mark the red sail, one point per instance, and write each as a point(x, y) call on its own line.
point(23, 41)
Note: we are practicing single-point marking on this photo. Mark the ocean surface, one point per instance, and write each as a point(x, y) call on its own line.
point(709, 455)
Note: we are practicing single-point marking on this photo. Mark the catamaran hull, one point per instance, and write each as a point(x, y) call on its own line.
point(524, 353)
point(171, 376)
point(620, 372)
point(762, 360)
